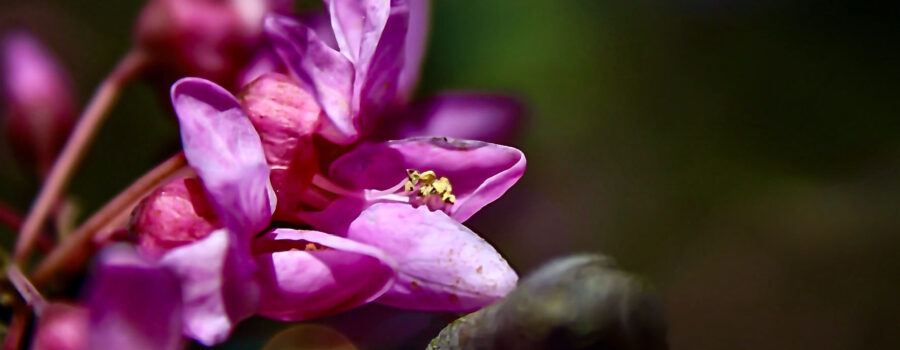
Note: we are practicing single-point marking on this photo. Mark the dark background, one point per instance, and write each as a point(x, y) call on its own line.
point(743, 156)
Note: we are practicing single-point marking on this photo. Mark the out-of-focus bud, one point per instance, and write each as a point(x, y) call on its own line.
point(286, 116)
point(173, 215)
point(212, 39)
point(62, 327)
point(40, 108)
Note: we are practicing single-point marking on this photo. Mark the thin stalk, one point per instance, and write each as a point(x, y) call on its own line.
point(75, 248)
point(76, 147)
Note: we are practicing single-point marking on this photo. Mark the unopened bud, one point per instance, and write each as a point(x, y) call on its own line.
point(62, 327)
point(212, 39)
point(40, 108)
point(173, 215)
point(286, 116)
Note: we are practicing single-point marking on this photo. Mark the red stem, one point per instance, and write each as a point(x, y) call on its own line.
point(76, 147)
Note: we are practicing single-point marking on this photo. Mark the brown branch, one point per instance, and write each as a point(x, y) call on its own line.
point(76, 248)
point(76, 147)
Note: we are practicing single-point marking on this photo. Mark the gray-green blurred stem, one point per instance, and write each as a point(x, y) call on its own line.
point(578, 302)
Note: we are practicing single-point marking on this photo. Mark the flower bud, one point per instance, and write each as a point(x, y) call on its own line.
point(286, 116)
point(173, 215)
point(212, 39)
point(40, 108)
point(62, 327)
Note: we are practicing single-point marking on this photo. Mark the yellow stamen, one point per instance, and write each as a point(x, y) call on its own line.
point(429, 184)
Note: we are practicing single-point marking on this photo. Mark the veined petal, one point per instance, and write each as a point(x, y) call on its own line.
point(482, 117)
point(379, 65)
point(442, 265)
point(133, 303)
point(480, 172)
point(416, 42)
point(306, 274)
point(217, 288)
point(327, 72)
point(224, 149)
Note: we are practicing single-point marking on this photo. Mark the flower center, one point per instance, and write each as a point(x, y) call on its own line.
point(427, 184)
point(417, 188)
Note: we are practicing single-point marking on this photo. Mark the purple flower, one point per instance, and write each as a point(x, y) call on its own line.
point(364, 86)
point(39, 101)
point(391, 217)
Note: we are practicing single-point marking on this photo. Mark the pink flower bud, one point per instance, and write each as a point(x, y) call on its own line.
point(173, 215)
point(62, 327)
point(40, 108)
point(211, 39)
point(286, 116)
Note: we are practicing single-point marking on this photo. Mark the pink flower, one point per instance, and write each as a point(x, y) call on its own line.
point(39, 101)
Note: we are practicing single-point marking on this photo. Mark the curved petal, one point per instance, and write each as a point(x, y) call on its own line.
point(223, 148)
point(329, 74)
point(482, 117)
point(416, 42)
point(133, 304)
point(479, 172)
point(378, 69)
point(216, 285)
point(307, 274)
point(442, 265)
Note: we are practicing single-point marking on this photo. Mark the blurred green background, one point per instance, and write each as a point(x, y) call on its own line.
point(741, 155)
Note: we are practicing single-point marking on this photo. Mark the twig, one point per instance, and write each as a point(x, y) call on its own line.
point(76, 146)
point(75, 247)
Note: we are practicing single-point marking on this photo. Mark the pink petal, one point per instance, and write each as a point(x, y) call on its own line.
point(479, 172)
point(416, 42)
point(380, 62)
point(327, 72)
point(442, 265)
point(489, 118)
point(133, 303)
point(300, 284)
point(225, 151)
point(216, 285)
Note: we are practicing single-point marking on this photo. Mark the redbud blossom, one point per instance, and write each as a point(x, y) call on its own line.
point(40, 108)
point(214, 39)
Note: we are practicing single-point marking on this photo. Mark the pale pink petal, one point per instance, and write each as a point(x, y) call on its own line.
point(307, 274)
point(223, 148)
point(416, 43)
point(217, 287)
point(325, 71)
point(441, 264)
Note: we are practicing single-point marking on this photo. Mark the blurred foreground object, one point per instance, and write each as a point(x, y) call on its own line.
point(37, 94)
point(578, 302)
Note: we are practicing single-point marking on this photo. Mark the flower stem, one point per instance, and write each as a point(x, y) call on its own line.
point(27, 290)
point(76, 146)
point(17, 327)
point(75, 248)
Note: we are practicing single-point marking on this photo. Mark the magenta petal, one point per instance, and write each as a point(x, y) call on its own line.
point(133, 304)
point(337, 274)
point(442, 265)
point(380, 62)
point(216, 285)
point(479, 172)
point(327, 72)
point(416, 42)
point(489, 118)
point(224, 149)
